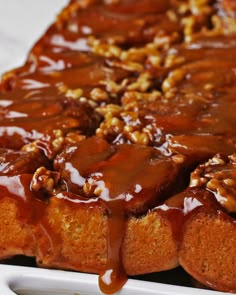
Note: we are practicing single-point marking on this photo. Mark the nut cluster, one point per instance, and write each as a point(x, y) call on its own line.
point(218, 175)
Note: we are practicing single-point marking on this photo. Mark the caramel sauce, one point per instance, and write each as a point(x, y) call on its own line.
point(16, 172)
point(29, 203)
point(183, 206)
point(57, 39)
point(19, 162)
point(218, 176)
point(119, 24)
point(112, 21)
point(218, 41)
point(50, 61)
point(24, 119)
point(196, 115)
point(105, 21)
point(91, 75)
point(141, 7)
point(114, 277)
point(187, 125)
point(95, 169)
point(194, 119)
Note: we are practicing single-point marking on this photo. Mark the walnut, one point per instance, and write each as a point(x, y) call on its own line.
point(45, 180)
point(99, 94)
point(218, 175)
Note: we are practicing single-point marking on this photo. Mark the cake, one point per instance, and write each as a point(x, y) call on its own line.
point(118, 143)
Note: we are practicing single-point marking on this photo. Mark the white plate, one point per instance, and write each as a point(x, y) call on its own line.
point(34, 281)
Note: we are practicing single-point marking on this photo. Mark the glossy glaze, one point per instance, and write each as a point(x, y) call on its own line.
point(127, 178)
point(192, 119)
point(25, 118)
point(16, 173)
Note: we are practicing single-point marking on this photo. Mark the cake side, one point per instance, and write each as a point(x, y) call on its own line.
point(78, 239)
point(208, 250)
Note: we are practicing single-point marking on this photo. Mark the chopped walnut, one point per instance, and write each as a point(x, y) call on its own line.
point(73, 137)
point(225, 19)
point(110, 126)
point(233, 158)
point(104, 49)
point(142, 84)
point(58, 140)
point(173, 78)
point(172, 60)
point(45, 180)
point(113, 87)
point(31, 147)
point(138, 137)
point(50, 144)
point(164, 42)
point(218, 175)
point(141, 54)
point(99, 94)
point(130, 59)
point(110, 109)
point(136, 96)
point(74, 93)
point(127, 65)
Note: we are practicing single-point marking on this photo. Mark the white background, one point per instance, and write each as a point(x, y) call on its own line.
point(22, 22)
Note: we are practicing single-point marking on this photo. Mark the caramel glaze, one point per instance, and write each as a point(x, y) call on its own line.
point(196, 115)
point(115, 21)
point(186, 56)
point(194, 119)
point(219, 41)
point(91, 75)
point(218, 176)
point(182, 209)
point(58, 39)
point(142, 27)
point(94, 174)
point(118, 185)
point(16, 172)
point(187, 125)
point(201, 85)
point(16, 175)
point(57, 61)
point(20, 162)
point(102, 21)
point(26, 117)
point(183, 206)
point(95, 169)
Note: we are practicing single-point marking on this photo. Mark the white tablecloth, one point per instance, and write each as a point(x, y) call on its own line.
point(22, 22)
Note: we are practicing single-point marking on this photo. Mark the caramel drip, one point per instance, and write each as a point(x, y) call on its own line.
point(30, 205)
point(127, 178)
point(114, 277)
point(183, 206)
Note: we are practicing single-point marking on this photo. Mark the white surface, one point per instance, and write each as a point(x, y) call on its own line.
point(33, 281)
point(22, 22)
